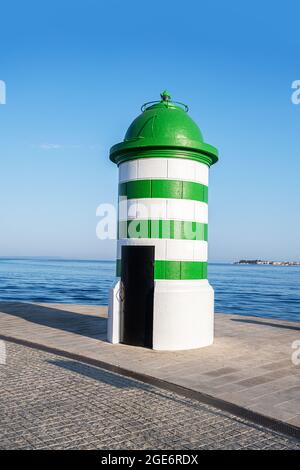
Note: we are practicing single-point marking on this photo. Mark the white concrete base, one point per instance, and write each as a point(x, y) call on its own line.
point(113, 322)
point(183, 315)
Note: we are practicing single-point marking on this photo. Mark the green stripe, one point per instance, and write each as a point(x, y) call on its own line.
point(176, 270)
point(171, 229)
point(164, 189)
point(180, 270)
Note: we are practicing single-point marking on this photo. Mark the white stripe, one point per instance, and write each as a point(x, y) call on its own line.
point(164, 168)
point(200, 250)
point(165, 209)
point(149, 168)
point(187, 170)
point(171, 250)
point(128, 171)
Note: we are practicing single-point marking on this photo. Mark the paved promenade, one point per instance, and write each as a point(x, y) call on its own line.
point(50, 402)
point(249, 364)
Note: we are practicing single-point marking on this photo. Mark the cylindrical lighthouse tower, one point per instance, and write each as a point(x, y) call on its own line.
point(161, 298)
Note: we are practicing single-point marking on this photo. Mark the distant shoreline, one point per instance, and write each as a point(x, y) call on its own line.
point(268, 263)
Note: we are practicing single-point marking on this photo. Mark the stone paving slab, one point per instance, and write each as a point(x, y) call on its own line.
point(248, 365)
point(52, 402)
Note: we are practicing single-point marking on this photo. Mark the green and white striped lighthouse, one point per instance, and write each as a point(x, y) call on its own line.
point(161, 297)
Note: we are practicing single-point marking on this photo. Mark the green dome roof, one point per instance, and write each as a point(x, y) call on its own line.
point(163, 125)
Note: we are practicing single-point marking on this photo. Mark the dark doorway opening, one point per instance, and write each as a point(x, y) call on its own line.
point(137, 284)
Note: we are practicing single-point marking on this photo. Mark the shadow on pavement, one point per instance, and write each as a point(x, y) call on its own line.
point(81, 324)
point(266, 323)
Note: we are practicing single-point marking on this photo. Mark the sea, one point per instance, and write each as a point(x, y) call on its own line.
point(263, 291)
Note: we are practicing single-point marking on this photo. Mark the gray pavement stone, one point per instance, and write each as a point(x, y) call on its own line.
point(49, 402)
point(249, 364)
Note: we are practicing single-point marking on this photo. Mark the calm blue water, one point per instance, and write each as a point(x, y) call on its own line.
point(265, 291)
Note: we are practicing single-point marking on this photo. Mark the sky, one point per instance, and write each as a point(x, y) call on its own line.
point(76, 74)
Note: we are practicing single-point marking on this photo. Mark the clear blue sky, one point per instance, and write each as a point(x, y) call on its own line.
point(77, 73)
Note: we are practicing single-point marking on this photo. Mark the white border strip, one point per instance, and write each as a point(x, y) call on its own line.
point(171, 250)
point(165, 209)
point(164, 168)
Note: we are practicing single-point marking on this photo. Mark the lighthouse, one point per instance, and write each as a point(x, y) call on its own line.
point(161, 298)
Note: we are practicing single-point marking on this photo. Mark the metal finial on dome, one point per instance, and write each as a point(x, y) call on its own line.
point(165, 95)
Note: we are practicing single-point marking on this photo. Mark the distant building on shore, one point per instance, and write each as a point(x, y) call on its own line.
point(267, 262)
